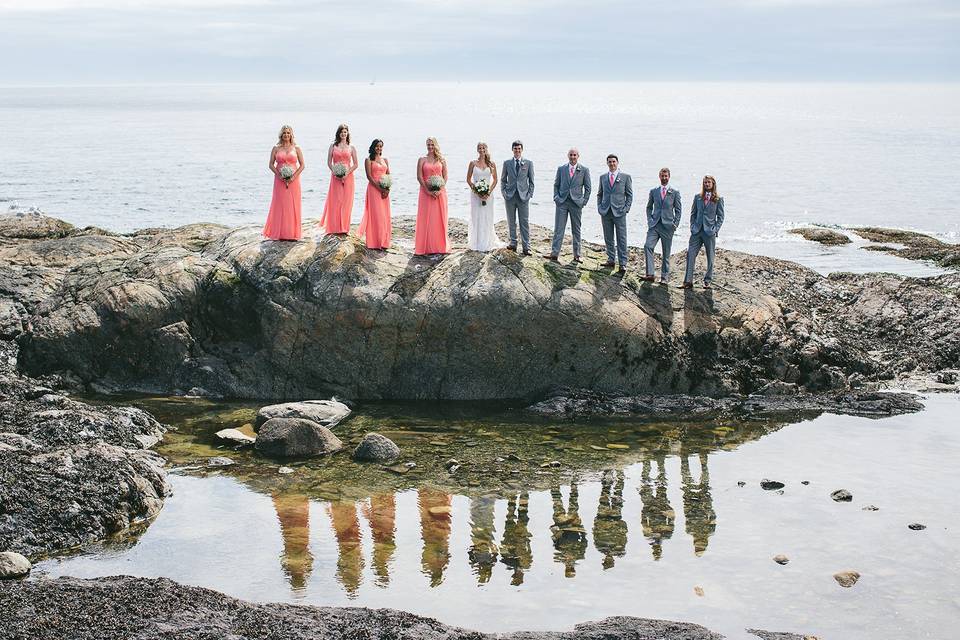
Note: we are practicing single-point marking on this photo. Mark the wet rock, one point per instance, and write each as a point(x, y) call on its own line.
point(779, 635)
point(284, 471)
point(451, 463)
point(771, 485)
point(841, 495)
point(822, 235)
point(235, 437)
point(947, 377)
point(914, 246)
point(220, 461)
point(916, 526)
point(781, 559)
point(327, 413)
point(295, 438)
point(13, 565)
point(376, 448)
point(846, 579)
point(870, 507)
point(805, 482)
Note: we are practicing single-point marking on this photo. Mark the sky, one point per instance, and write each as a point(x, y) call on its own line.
point(134, 41)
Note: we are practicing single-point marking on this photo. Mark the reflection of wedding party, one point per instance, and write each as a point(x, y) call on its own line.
point(572, 188)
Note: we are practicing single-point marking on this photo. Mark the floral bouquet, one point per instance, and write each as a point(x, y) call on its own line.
point(482, 188)
point(435, 183)
point(340, 170)
point(286, 173)
point(385, 182)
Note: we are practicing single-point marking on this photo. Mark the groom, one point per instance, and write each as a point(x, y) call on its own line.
point(663, 218)
point(516, 185)
point(571, 192)
point(614, 197)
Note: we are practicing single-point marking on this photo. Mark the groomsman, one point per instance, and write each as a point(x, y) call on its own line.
point(663, 218)
point(516, 185)
point(571, 192)
point(614, 197)
point(706, 218)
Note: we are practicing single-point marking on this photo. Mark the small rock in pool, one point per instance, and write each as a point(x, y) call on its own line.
point(452, 462)
point(235, 437)
point(284, 470)
point(841, 495)
point(804, 482)
point(916, 526)
point(781, 559)
point(770, 485)
point(13, 565)
point(870, 507)
point(741, 484)
point(220, 461)
point(376, 448)
point(846, 579)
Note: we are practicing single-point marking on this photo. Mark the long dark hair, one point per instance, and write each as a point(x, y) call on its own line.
point(373, 148)
point(336, 136)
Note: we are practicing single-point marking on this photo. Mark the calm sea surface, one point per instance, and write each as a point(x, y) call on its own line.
point(783, 154)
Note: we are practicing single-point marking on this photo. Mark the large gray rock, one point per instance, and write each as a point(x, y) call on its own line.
point(13, 565)
point(295, 438)
point(376, 448)
point(328, 413)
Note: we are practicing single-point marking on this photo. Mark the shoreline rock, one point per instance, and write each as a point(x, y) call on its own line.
point(822, 235)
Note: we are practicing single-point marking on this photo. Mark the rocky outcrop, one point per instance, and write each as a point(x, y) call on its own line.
point(911, 245)
point(822, 235)
point(225, 313)
point(295, 438)
point(155, 609)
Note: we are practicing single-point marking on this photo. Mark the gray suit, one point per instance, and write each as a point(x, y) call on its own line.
point(517, 189)
point(613, 203)
point(706, 218)
point(570, 194)
point(663, 218)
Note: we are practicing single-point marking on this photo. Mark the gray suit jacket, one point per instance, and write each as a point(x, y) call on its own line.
point(616, 199)
point(706, 217)
point(667, 210)
point(576, 188)
point(513, 184)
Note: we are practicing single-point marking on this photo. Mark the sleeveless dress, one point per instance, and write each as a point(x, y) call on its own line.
point(339, 205)
point(375, 224)
point(283, 221)
point(431, 232)
point(480, 233)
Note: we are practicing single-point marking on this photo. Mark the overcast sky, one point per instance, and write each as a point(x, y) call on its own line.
point(106, 41)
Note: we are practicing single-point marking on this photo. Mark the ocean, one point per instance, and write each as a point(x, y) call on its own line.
point(784, 155)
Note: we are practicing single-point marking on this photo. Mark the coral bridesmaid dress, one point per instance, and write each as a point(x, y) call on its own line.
point(375, 224)
point(283, 221)
point(339, 205)
point(431, 232)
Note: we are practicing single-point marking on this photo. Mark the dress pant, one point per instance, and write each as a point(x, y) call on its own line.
point(663, 233)
point(613, 225)
point(518, 210)
point(698, 240)
point(567, 209)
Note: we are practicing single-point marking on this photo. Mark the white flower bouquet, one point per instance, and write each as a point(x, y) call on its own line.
point(482, 188)
point(287, 172)
point(385, 182)
point(435, 183)
point(339, 170)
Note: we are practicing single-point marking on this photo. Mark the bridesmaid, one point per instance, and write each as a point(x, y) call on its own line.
point(431, 231)
point(339, 205)
point(283, 221)
point(375, 224)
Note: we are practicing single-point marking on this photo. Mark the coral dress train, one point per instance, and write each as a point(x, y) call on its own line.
point(283, 221)
point(339, 205)
point(431, 232)
point(375, 224)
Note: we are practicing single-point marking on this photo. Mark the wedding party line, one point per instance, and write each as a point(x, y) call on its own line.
point(572, 187)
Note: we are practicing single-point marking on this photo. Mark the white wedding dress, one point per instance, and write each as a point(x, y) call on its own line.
point(480, 233)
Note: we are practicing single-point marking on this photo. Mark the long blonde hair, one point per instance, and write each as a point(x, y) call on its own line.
point(286, 127)
point(436, 148)
point(703, 192)
point(486, 154)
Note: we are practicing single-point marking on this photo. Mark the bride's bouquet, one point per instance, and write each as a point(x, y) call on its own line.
point(482, 188)
point(339, 169)
point(435, 183)
point(385, 182)
point(286, 173)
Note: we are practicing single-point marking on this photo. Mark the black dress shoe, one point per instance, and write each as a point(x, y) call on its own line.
point(577, 259)
point(526, 252)
point(511, 247)
point(608, 265)
point(551, 257)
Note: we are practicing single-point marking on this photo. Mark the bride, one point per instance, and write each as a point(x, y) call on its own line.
point(481, 236)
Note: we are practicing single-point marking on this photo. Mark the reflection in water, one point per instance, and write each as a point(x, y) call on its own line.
point(346, 527)
point(609, 529)
point(435, 528)
point(569, 536)
point(381, 513)
point(515, 551)
point(293, 512)
point(699, 516)
point(657, 516)
point(483, 548)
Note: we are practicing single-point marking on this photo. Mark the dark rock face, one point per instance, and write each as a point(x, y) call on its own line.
point(221, 310)
point(155, 609)
point(376, 448)
point(327, 413)
point(295, 438)
point(822, 235)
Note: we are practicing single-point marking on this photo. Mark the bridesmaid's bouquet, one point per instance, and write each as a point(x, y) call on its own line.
point(482, 188)
point(339, 169)
point(385, 182)
point(435, 183)
point(286, 173)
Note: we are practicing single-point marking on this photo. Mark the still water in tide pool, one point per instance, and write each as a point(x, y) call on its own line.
point(545, 524)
